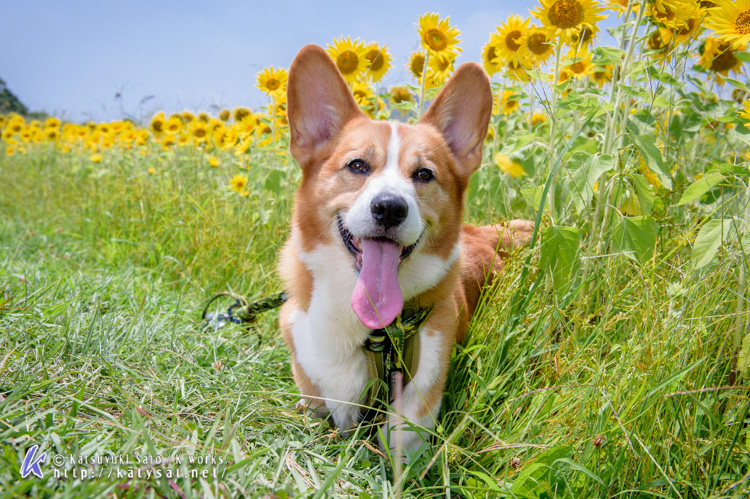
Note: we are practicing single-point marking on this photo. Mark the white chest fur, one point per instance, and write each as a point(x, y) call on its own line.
point(328, 337)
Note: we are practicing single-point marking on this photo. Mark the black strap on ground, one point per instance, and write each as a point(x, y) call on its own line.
point(241, 311)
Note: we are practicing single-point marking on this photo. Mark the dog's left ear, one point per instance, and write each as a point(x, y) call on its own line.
point(461, 112)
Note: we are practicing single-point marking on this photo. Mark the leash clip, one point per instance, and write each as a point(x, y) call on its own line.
point(240, 312)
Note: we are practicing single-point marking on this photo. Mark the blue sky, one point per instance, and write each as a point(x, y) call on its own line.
point(71, 58)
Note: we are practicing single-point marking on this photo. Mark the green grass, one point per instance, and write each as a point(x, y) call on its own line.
point(623, 389)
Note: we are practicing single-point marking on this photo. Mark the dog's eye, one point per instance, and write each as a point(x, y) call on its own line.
point(358, 166)
point(424, 175)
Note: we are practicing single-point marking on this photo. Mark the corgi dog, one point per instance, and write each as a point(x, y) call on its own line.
point(377, 223)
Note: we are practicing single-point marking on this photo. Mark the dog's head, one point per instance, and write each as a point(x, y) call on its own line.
point(387, 192)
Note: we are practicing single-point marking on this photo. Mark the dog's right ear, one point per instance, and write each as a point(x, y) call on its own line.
point(319, 103)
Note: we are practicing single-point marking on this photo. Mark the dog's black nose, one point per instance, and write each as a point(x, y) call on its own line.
point(389, 210)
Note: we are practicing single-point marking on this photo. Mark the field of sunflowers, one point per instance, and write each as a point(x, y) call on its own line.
point(613, 361)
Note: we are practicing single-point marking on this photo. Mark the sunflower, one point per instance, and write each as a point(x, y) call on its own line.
point(577, 65)
point(416, 64)
point(731, 22)
point(52, 122)
point(518, 69)
point(215, 124)
point(538, 45)
point(157, 123)
point(225, 114)
point(229, 140)
point(689, 30)
point(490, 60)
point(583, 37)
point(364, 96)
point(511, 37)
point(509, 102)
point(746, 114)
point(718, 56)
point(621, 6)
point(562, 18)
point(378, 62)
point(173, 124)
point(350, 57)
point(168, 141)
point(199, 131)
point(247, 126)
point(272, 81)
point(238, 183)
point(95, 158)
point(538, 117)
point(51, 134)
point(214, 161)
point(671, 13)
point(508, 166)
point(660, 42)
point(438, 36)
point(601, 75)
point(239, 113)
point(400, 94)
point(440, 69)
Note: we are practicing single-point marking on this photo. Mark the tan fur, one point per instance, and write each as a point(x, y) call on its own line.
point(327, 131)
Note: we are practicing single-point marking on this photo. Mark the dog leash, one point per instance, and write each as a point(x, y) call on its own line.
point(393, 349)
point(241, 311)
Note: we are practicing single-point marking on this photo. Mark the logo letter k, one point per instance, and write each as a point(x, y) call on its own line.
point(31, 465)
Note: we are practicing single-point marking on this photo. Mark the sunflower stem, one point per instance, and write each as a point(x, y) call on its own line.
point(553, 108)
point(273, 120)
point(424, 80)
point(496, 137)
point(606, 186)
point(615, 136)
point(531, 111)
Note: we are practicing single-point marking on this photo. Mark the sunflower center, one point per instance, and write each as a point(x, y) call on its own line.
point(273, 84)
point(200, 132)
point(442, 64)
point(688, 27)
point(417, 63)
point(655, 42)
point(510, 40)
point(724, 60)
point(537, 43)
point(742, 23)
point(565, 14)
point(376, 60)
point(347, 62)
point(578, 67)
point(586, 34)
point(491, 54)
point(435, 39)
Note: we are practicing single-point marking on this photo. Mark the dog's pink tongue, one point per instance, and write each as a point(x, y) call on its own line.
point(377, 299)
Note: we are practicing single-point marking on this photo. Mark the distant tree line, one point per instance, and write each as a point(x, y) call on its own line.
point(9, 103)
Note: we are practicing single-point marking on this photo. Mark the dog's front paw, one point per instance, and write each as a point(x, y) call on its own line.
point(312, 411)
